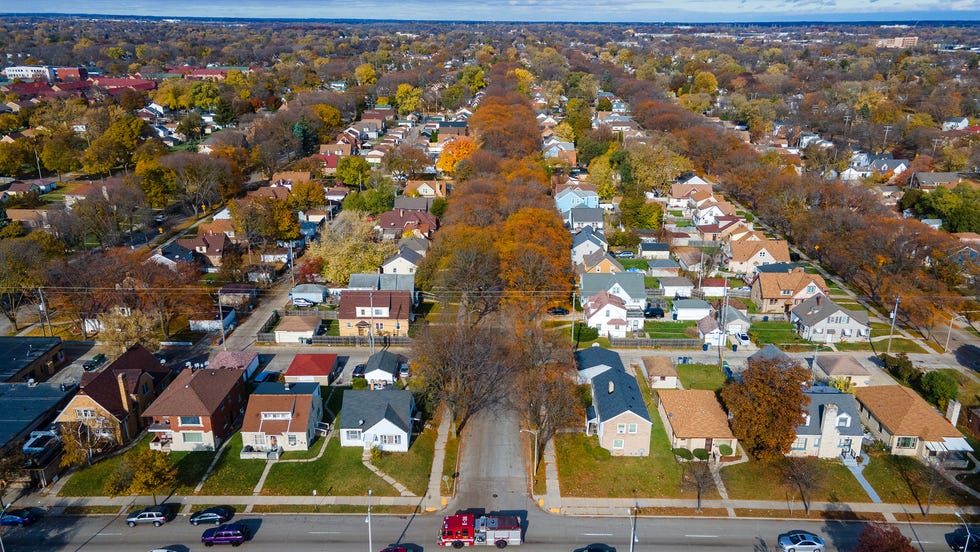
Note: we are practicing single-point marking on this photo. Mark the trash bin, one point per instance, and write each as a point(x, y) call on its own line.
point(734, 347)
point(705, 347)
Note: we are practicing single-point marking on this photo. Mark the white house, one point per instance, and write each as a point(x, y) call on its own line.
point(821, 320)
point(377, 419)
point(403, 262)
point(608, 314)
point(690, 309)
point(587, 241)
point(676, 286)
point(381, 369)
point(711, 333)
point(660, 372)
point(831, 426)
point(628, 286)
point(297, 329)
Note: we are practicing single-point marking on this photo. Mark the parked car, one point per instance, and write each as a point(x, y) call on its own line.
point(300, 302)
point(653, 312)
point(742, 338)
point(94, 362)
point(404, 371)
point(801, 541)
point(232, 533)
point(216, 515)
point(557, 311)
point(18, 517)
point(958, 541)
point(358, 371)
point(596, 547)
point(157, 515)
point(625, 254)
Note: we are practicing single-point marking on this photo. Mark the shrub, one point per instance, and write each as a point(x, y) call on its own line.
point(584, 394)
point(725, 450)
point(683, 454)
point(359, 384)
point(939, 388)
point(585, 333)
point(901, 367)
point(701, 454)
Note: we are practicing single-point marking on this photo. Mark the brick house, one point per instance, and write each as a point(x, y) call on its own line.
point(198, 411)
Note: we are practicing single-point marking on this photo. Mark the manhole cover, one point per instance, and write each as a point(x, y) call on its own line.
point(495, 495)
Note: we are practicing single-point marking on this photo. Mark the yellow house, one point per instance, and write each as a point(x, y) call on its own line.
point(365, 312)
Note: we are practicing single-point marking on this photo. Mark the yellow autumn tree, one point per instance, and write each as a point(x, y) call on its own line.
point(454, 152)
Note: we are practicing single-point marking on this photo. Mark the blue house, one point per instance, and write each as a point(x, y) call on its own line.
point(569, 198)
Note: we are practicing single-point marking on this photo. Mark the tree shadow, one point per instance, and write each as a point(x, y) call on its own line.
point(839, 529)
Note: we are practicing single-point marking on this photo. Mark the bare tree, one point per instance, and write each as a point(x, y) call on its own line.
point(200, 178)
point(700, 475)
point(804, 474)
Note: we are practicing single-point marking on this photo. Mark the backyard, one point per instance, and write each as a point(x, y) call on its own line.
point(777, 333)
point(701, 376)
point(661, 329)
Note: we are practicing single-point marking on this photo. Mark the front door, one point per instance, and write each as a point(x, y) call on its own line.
point(845, 446)
point(707, 444)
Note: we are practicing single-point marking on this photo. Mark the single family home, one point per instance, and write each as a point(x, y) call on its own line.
point(821, 320)
point(280, 417)
point(377, 419)
point(618, 415)
point(906, 423)
point(831, 426)
point(198, 411)
point(694, 420)
point(595, 360)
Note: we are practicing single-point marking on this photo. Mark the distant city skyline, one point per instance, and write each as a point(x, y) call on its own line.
point(639, 11)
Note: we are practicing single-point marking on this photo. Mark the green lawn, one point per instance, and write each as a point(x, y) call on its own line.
point(774, 332)
point(449, 462)
point(664, 329)
point(231, 474)
point(675, 213)
point(906, 480)
point(88, 481)
point(701, 376)
point(339, 472)
point(412, 468)
point(683, 223)
point(190, 469)
point(311, 452)
point(634, 263)
point(969, 389)
point(587, 470)
point(880, 329)
point(835, 482)
point(651, 282)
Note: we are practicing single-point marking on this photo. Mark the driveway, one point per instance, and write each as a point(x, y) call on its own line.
point(493, 466)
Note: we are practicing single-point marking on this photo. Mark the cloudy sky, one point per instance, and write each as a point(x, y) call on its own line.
point(527, 10)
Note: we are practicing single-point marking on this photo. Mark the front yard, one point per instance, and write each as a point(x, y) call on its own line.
point(231, 474)
point(412, 468)
point(906, 480)
point(339, 472)
point(834, 482)
point(701, 376)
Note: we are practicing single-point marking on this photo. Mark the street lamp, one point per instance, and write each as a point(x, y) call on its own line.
point(631, 512)
point(368, 521)
point(534, 457)
point(966, 545)
point(892, 330)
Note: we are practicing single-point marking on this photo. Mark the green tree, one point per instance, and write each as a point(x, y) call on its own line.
point(704, 83)
point(152, 472)
point(656, 166)
point(62, 152)
point(473, 78)
point(578, 114)
point(637, 214)
point(601, 174)
point(204, 95)
point(767, 406)
point(939, 388)
point(353, 170)
point(408, 98)
point(13, 157)
point(191, 125)
point(604, 104)
point(224, 113)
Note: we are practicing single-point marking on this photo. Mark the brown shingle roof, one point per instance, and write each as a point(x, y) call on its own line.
point(398, 303)
point(773, 283)
point(903, 412)
point(744, 250)
point(659, 366)
point(299, 405)
point(695, 413)
point(841, 365)
point(298, 323)
point(195, 393)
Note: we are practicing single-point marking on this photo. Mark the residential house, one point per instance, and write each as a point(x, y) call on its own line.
point(734, 321)
point(394, 225)
point(111, 401)
point(663, 268)
point(377, 419)
point(708, 212)
point(955, 123)
point(577, 218)
point(312, 368)
point(427, 188)
point(599, 262)
point(383, 313)
point(608, 314)
point(384, 282)
point(314, 293)
point(410, 203)
point(219, 226)
point(690, 309)
point(280, 417)
point(714, 287)
point(595, 360)
point(690, 259)
point(676, 286)
point(238, 296)
point(931, 180)
point(416, 244)
point(628, 286)
point(618, 414)
point(571, 197)
point(694, 420)
point(654, 250)
point(585, 241)
point(210, 247)
point(172, 255)
point(660, 372)
point(711, 333)
point(31, 219)
point(907, 424)
point(746, 255)
point(406, 261)
point(839, 366)
point(198, 411)
point(381, 370)
point(821, 320)
point(831, 426)
point(779, 292)
point(245, 361)
point(680, 193)
point(297, 329)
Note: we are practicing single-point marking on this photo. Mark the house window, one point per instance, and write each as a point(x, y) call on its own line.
point(353, 435)
point(906, 442)
point(816, 442)
point(190, 420)
point(362, 312)
point(844, 319)
point(786, 292)
point(843, 420)
point(291, 438)
point(620, 428)
point(398, 325)
point(632, 428)
point(84, 413)
point(276, 416)
point(377, 312)
point(397, 439)
point(799, 443)
point(619, 444)
point(394, 270)
point(348, 324)
point(193, 437)
point(379, 325)
point(146, 388)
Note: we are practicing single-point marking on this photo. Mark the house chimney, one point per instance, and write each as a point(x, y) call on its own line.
point(612, 387)
point(953, 412)
point(817, 298)
point(123, 395)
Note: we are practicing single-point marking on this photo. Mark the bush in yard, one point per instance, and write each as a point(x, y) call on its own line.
point(701, 454)
point(585, 333)
point(725, 450)
point(683, 454)
point(584, 394)
point(901, 367)
point(358, 384)
point(939, 388)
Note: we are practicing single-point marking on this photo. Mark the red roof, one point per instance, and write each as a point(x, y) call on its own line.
point(312, 365)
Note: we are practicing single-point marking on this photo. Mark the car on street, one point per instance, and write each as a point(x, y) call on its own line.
point(18, 517)
point(596, 547)
point(232, 533)
point(557, 311)
point(216, 515)
point(358, 371)
point(625, 254)
point(157, 515)
point(94, 362)
point(958, 541)
point(801, 541)
point(653, 312)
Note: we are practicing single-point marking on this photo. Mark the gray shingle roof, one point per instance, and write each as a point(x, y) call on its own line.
point(382, 282)
point(588, 234)
point(382, 360)
point(591, 357)
point(624, 396)
point(654, 246)
point(819, 307)
point(778, 267)
point(769, 352)
point(364, 409)
point(585, 215)
point(663, 263)
point(820, 397)
point(631, 282)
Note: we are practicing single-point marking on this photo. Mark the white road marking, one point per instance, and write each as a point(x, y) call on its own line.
point(597, 534)
point(701, 536)
point(109, 534)
point(326, 532)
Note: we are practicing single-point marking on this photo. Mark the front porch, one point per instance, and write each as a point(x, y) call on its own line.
point(163, 437)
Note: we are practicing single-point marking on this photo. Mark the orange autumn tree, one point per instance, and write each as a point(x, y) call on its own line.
point(454, 152)
point(533, 245)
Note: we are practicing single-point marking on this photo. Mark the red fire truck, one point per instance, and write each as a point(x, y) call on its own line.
point(461, 530)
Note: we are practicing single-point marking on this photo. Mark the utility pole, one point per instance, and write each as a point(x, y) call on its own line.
point(892, 330)
point(884, 143)
point(368, 521)
point(371, 327)
point(292, 277)
point(44, 310)
point(221, 323)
